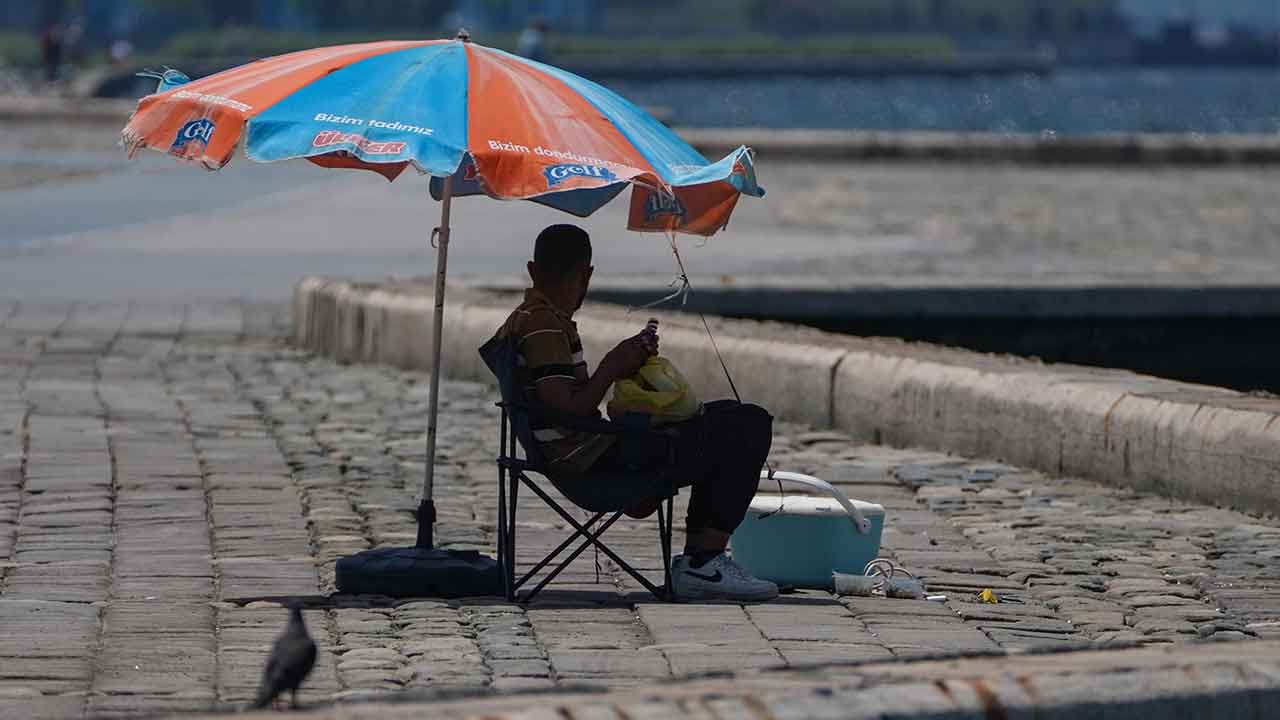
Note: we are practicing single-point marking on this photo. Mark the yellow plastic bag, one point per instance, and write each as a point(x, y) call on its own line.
point(657, 390)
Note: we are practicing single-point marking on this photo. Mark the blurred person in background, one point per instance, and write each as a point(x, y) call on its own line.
point(532, 43)
point(73, 43)
point(120, 51)
point(51, 51)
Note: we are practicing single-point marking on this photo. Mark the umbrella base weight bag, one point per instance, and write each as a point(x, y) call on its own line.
point(808, 538)
point(419, 572)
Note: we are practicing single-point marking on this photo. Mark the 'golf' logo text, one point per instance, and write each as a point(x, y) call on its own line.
point(557, 174)
point(195, 131)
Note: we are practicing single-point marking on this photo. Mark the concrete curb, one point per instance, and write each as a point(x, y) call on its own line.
point(1200, 443)
point(1218, 680)
point(807, 298)
point(1119, 149)
point(843, 145)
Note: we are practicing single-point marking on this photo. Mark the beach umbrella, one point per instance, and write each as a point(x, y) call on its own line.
point(480, 121)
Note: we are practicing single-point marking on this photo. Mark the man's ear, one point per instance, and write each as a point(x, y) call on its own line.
point(533, 275)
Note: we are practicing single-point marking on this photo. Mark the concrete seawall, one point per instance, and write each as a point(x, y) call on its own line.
point(1118, 149)
point(1189, 441)
point(841, 145)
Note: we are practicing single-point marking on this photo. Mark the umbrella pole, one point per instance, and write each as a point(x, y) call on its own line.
point(427, 507)
point(424, 571)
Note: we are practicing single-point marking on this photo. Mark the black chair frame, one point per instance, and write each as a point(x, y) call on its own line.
point(513, 471)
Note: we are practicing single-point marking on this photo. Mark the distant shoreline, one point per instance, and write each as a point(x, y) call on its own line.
point(714, 67)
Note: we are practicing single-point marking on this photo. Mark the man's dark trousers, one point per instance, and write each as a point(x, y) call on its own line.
point(719, 454)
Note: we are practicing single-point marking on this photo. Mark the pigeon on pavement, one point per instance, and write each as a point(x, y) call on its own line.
point(292, 657)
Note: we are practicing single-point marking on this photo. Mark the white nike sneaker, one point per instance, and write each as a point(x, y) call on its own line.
point(719, 579)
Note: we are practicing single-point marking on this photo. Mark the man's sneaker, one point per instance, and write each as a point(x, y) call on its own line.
point(720, 579)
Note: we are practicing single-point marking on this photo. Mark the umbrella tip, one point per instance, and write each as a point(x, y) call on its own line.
point(463, 34)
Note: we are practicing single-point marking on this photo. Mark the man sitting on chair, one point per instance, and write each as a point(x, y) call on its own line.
point(719, 452)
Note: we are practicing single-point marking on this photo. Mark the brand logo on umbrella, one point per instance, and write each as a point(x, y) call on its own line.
point(195, 131)
point(658, 205)
point(557, 174)
point(328, 138)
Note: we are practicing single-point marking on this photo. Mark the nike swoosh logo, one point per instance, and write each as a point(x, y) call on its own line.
point(715, 578)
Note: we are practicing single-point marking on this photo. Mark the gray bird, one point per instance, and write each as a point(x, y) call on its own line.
point(292, 657)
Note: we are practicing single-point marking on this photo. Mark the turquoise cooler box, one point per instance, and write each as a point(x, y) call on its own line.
point(810, 538)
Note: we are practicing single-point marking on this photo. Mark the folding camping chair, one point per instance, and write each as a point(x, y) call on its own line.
point(608, 495)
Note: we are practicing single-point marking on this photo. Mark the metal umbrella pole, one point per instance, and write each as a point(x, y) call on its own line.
point(440, 238)
point(424, 570)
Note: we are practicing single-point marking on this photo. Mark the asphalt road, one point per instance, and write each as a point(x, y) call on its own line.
point(156, 230)
point(152, 229)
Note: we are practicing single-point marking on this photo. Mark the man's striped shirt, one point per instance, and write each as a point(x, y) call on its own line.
point(551, 348)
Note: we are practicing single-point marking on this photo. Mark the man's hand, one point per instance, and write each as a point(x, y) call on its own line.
point(629, 355)
point(621, 362)
point(649, 338)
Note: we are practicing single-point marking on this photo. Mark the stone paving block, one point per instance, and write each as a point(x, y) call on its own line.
point(960, 639)
point(701, 659)
point(815, 653)
point(88, 320)
point(267, 578)
point(1194, 613)
point(589, 711)
point(131, 666)
point(219, 319)
point(76, 592)
point(173, 565)
point(131, 704)
point(1149, 626)
point(877, 607)
point(1159, 693)
point(699, 623)
point(1005, 612)
point(35, 538)
point(805, 706)
point(161, 320)
point(37, 506)
point(167, 618)
point(622, 663)
point(32, 705)
point(49, 674)
point(1098, 621)
point(29, 622)
point(1036, 625)
point(33, 318)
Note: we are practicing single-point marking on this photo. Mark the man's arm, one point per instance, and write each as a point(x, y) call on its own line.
point(570, 397)
point(544, 346)
point(564, 393)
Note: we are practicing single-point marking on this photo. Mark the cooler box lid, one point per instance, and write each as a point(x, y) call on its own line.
point(806, 505)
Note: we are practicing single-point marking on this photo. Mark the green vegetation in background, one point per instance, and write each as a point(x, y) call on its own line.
point(803, 17)
point(914, 45)
point(325, 15)
point(254, 43)
point(178, 31)
point(19, 49)
point(244, 43)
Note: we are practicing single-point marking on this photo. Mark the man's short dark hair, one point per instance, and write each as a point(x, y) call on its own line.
point(561, 248)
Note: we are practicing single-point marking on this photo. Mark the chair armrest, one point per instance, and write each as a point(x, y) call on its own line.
point(576, 422)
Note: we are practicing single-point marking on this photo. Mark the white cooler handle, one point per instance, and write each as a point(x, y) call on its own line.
point(859, 521)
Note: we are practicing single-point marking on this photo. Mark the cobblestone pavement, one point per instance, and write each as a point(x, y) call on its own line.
point(168, 476)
